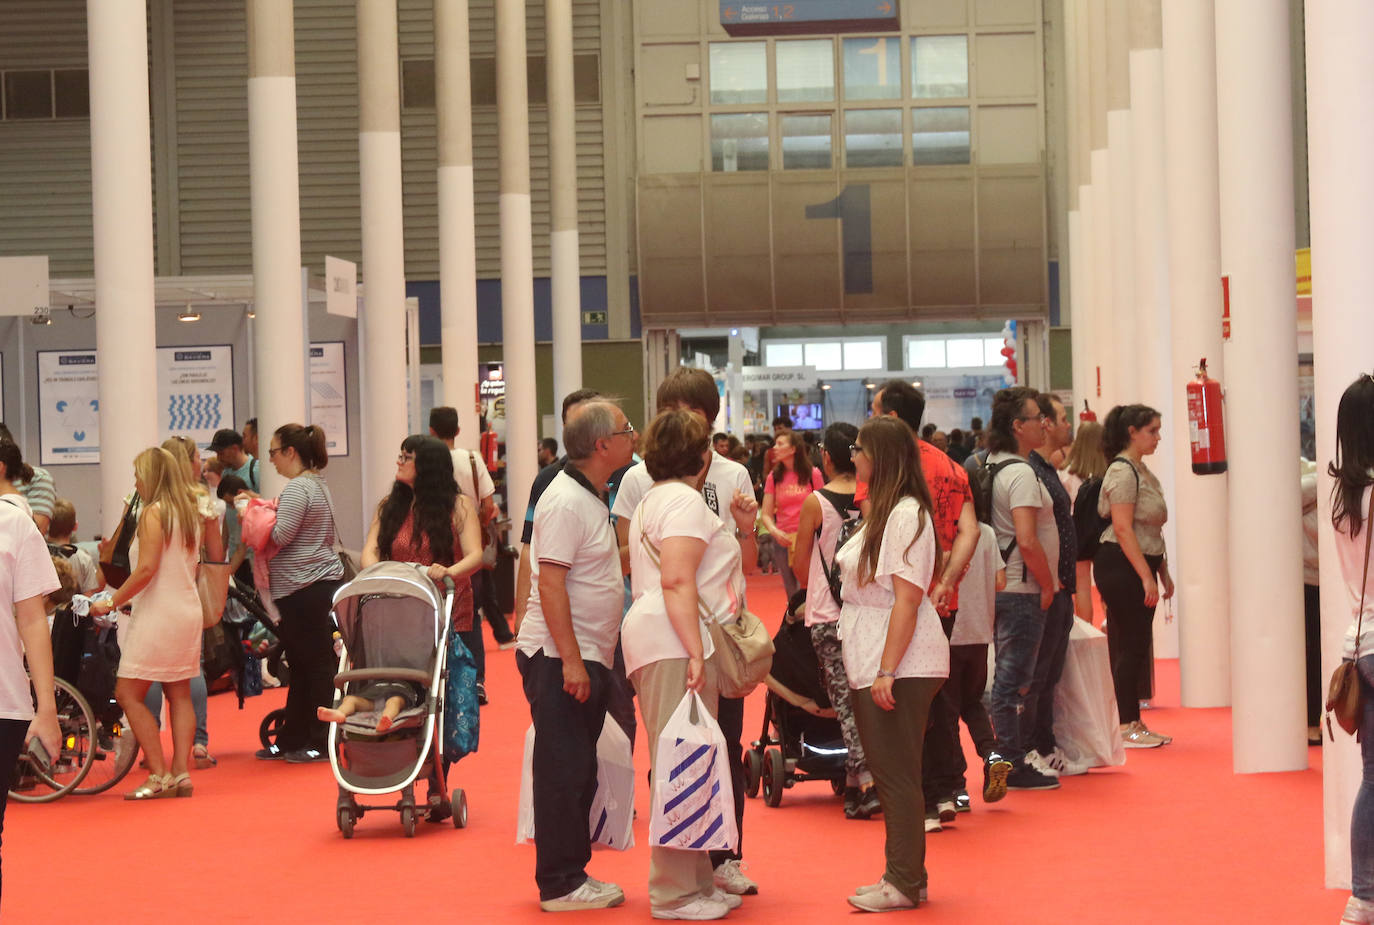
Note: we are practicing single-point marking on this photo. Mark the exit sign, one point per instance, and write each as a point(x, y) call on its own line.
point(740, 17)
point(595, 317)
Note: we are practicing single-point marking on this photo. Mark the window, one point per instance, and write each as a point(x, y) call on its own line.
point(824, 355)
point(939, 66)
point(71, 94)
point(828, 355)
point(806, 142)
point(782, 354)
point(418, 87)
point(739, 72)
point(873, 138)
point(806, 71)
point(940, 135)
point(28, 95)
point(966, 352)
point(863, 354)
point(417, 83)
point(992, 351)
point(872, 69)
point(925, 354)
point(739, 141)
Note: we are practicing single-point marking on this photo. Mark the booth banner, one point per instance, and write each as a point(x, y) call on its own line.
point(329, 394)
point(195, 391)
point(68, 408)
point(778, 377)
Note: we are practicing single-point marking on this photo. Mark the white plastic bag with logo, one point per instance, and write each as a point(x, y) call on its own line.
point(693, 804)
point(1086, 724)
point(611, 819)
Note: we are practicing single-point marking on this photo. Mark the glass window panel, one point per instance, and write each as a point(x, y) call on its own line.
point(873, 138)
point(872, 69)
point(863, 354)
point(806, 142)
point(73, 97)
point(925, 354)
point(939, 66)
point(940, 135)
point(965, 352)
point(825, 355)
point(782, 354)
point(417, 83)
point(739, 72)
point(739, 141)
point(992, 351)
point(806, 71)
point(28, 95)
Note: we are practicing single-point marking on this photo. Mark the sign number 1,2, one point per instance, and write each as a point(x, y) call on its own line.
point(852, 207)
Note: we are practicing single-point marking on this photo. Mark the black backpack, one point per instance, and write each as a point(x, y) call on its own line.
point(982, 481)
point(850, 520)
point(1087, 523)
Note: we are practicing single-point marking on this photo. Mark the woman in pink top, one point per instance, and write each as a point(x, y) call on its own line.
point(793, 478)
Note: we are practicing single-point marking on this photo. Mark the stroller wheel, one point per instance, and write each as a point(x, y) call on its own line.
point(753, 772)
point(271, 727)
point(345, 818)
point(774, 776)
point(408, 820)
point(460, 809)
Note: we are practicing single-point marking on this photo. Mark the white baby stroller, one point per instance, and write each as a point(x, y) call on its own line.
point(394, 624)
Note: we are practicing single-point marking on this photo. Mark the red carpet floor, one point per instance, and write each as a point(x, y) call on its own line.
point(1172, 837)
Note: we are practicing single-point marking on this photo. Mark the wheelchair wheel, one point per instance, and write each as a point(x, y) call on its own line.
point(116, 750)
point(270, 727)
point(77, 724)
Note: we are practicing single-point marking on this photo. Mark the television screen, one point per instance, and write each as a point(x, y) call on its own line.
point(804, 415)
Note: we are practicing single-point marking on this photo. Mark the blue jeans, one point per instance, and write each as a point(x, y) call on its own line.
point(199, 698)
point(1049, 668)
point(1018, 630)
point(1362, 820)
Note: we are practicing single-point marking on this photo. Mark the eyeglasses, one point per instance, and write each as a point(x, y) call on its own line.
point(629, 429)
point(1033, 417)
point(273, 451)
point(404, 458)
point(855, 449)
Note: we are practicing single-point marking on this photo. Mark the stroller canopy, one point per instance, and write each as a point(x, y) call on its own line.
point(390, 615)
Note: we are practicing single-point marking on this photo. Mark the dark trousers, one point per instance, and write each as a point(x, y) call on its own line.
point(620, 704)
point(730, 717)
point(1129, 624)
point(307, 636)
point(484, 600)
point(1312, 623)
point(942, 758)
point(960, 697)
point(565, 734)
point(12, 732)
point(1049, 668)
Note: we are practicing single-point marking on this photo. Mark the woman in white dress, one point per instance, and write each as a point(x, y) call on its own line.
point(896, 654)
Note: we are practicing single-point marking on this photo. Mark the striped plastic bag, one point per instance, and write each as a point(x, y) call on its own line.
point(693, 804)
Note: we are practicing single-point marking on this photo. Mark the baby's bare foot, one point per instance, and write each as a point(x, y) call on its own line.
point(327, 715)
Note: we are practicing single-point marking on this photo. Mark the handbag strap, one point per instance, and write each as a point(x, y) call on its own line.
point(1364, 582)
point(333, 523)
point(654, 557)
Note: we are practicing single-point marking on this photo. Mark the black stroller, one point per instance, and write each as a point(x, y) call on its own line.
point(804, 746)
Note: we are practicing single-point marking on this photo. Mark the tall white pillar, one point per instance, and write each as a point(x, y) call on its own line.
point(1151, 269)
point(122, 230)
point(1340, 130)
point(517, 254)
point(384, 407)
point(281, 382)
point(1104, 314)
point(563, 245)
point(1124, 356)
point(1076, 304)
point(1255, 134)
point(1085, 309)
point(1194, 242)
point(457, 216)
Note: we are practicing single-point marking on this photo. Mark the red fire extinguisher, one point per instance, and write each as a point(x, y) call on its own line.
point(1087, 414)
point(1206, 430)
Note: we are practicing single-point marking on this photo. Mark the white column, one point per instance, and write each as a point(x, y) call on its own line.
point(1340, 119)
point(1151, 269)
point(281, 384)
point(517, 255)
point(1076, 305)
point(1084, 304)
point(563, 246)
point(1104, 316)
point(457, 216)
point(383, 323)
point(1124, 357)
point(1194, 240)
point(1253, 105)
point(122, 230)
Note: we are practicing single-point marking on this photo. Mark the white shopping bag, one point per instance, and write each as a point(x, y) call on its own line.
point(1086, 724)
point(693, 805)
point(611, 819)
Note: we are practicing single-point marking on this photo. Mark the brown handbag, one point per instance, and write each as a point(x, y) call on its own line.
point(1344, 696)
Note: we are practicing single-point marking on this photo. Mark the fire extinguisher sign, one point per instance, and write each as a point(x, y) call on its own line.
point(1226, 308)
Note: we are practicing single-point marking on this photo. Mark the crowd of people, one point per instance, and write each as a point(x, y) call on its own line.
point(908, 551)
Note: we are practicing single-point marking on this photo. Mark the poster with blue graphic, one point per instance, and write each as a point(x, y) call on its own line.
point(68, 408)
point(195, 391)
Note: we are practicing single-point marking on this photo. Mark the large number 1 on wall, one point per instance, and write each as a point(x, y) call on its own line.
point(853, 210)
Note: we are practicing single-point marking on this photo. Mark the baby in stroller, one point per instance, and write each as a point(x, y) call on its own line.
point(388, 698)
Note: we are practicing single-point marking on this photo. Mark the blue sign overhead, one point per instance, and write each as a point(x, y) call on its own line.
point(741, 17)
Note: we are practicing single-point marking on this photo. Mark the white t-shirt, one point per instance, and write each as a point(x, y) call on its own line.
point(463, 461)
point(18, 502)
point(1017, 485)
point(1350, 552)
point(674, 509)
point(977, 592)
point(26, 571)
point(724, 480)
point(867, 609)
point(820, 603)
point(573, 528)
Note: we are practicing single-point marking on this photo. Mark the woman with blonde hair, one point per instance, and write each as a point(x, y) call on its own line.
point(162, 640)
point(1084, 461)
point(895, 651)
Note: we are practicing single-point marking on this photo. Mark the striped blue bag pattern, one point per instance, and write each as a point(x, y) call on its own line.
point(693, 804)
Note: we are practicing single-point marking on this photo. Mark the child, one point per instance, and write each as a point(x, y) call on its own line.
point(968, 650)
point(390, 697)
point(83, 566)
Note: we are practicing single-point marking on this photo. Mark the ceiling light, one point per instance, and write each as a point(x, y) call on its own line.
point(188, 313)
point(825, 386)
point(252, 310)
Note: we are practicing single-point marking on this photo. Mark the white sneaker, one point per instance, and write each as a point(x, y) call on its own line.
point(886, 898)
point(932, 825)
point(1358, 912)
point(874, 887)
point(946, 810)
point(1037, 761)
point(592, 894)
point(1064, 765)
point(730, 878)
point(697, 909)
point(730, 899)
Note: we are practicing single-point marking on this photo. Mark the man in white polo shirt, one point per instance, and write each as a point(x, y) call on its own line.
point(565, 649)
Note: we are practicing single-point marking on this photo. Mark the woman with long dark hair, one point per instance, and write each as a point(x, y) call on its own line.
point(1353, 472)
point(792, 480)
point(13, 470)
point(1131, 565)
point(895, 652)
